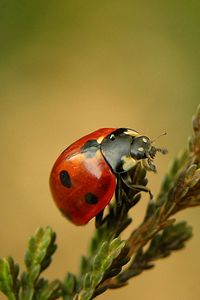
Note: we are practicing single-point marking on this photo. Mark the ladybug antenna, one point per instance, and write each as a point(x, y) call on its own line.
point(161, 150)
point(164, 133)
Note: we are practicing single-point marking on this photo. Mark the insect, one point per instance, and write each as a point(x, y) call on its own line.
point(85, 176)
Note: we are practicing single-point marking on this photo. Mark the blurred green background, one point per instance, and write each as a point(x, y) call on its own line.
point(70, 67)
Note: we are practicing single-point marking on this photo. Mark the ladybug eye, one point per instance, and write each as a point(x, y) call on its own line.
point(112, 137)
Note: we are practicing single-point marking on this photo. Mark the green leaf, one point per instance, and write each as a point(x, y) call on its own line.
point(37, 258)
point(40, 249)
point(9, 283)
point(107, 263)
point(50, 291)
point(103, 251)
point(87, 281)
point(85, 265)
point(97, 263)
point(70, 283)
point(86, 295)
point(70, 286)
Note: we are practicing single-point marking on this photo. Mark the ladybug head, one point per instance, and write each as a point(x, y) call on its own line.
point(142, 148)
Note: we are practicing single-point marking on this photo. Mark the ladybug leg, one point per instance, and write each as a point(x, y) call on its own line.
point(118, 191)
point(99, 219)
point(137, 187)
point(141, 188)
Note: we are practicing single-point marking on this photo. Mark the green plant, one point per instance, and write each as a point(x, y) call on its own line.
point(157, 237)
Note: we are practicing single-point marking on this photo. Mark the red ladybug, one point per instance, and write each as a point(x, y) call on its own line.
point(84, 177)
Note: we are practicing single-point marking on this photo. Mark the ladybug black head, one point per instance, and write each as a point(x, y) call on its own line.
point(141, 148)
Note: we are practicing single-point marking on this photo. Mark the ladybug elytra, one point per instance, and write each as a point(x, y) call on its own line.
point(84, 177)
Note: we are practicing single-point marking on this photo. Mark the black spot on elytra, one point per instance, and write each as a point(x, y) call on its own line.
point(65, 179)
point(90, 148)
point(91, 198)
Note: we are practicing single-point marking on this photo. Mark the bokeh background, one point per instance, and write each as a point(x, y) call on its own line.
point(70, 67)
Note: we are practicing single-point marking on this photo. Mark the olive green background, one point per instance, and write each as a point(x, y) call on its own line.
point(70, 67)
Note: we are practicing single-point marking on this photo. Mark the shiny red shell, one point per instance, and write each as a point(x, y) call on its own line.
point(88, 176)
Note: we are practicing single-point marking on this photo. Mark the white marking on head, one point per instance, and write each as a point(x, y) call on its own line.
point(141, 149)
point(144, 140)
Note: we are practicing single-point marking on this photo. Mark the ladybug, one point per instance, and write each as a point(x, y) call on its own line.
point(84, 178)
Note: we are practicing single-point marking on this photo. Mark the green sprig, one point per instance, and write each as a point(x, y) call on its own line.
point(29, 286)
point(37, 258)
